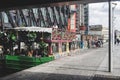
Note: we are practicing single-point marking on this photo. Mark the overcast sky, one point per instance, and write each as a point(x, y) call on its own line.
point(98, 14)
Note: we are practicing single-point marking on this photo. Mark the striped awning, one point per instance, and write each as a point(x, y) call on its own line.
point(34, 29)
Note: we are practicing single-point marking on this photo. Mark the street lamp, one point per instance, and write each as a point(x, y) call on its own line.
point(111, 35)
point(113, 19)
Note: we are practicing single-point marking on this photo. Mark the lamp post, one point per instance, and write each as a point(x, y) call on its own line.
point(111, 35)
point(113, 19)
point(110, 41)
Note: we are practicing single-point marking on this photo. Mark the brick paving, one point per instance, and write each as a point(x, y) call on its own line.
point(88, 64)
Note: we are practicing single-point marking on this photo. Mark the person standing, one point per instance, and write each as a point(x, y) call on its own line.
point(81, 44)
point(88, 43)
point(92, 43)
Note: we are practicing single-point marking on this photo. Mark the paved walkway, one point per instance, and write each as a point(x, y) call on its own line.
point(88, 64)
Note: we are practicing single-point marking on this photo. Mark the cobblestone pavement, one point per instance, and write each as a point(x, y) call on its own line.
point(88, 64)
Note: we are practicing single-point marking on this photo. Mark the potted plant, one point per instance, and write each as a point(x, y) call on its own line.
point(43, 48)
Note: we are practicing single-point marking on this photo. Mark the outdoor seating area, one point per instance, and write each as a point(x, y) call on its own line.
point(25, 47)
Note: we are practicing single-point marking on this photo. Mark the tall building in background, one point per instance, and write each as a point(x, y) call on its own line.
point(81, 14)
point(73, 18)
point(82, 17)
point(86, 17)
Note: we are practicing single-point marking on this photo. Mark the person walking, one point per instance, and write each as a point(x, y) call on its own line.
point(88, 43)
point(81, 44)
point(118, 41)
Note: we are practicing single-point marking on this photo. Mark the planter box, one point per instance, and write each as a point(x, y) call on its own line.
point(23, 62)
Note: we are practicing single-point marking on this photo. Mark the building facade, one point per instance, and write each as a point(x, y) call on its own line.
point(99, 31)
point(62, 20)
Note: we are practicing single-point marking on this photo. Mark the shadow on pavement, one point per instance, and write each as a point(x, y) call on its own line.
point(26, 75)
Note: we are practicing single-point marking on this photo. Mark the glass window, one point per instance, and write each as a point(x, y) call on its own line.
point(5, 18)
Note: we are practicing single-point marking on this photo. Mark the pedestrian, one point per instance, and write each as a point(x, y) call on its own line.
point(88, 44)
point(81, 44)
point(30, 53)
point(98, 43)
point(92, 43)
point(102, 43)
point(117, 41)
